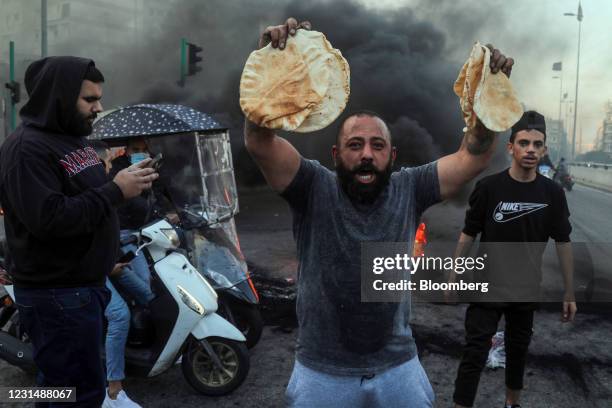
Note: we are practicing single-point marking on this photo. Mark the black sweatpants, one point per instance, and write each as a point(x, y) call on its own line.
point(480, 325)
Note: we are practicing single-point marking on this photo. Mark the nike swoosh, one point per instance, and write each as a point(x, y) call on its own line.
point(500, 215)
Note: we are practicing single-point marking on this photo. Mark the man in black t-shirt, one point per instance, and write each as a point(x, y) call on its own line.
point(523, 209)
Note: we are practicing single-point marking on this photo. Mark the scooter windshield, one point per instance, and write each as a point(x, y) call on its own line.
point(197, 172)
point(217, 255)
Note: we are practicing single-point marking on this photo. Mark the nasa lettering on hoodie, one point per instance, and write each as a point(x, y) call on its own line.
point(504, 210)
point(78, 160)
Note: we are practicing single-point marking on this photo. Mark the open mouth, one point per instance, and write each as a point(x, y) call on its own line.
point(365, 177)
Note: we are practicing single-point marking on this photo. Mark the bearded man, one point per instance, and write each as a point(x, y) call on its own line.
point(61, 223)
point(349, 353)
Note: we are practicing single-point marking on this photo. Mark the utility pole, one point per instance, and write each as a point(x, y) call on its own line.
point(4, 119)
point(13, 86)
point(43, 28)
point(13, 114)
point(579, 17)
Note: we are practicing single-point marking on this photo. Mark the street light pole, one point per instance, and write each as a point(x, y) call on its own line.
point(579, 17)
point(43, 28)
point(13, 117)
point(576, 97)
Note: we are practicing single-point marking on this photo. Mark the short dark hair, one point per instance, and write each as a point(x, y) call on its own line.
point(93, 74)
point(100, 147)
point(360, 113)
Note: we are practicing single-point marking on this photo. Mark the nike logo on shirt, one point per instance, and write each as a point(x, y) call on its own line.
point(505, 212)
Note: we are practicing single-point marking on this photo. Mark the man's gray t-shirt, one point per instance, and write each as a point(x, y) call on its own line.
point(339, 334)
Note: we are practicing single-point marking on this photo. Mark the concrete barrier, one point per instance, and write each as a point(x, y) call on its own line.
point(596, 175)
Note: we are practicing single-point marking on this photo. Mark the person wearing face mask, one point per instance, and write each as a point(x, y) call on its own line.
point(133, 214)
point(117, 312)
point(61, 223)
point(136, 151)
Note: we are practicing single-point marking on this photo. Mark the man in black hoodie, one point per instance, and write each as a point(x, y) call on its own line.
point(61, 224)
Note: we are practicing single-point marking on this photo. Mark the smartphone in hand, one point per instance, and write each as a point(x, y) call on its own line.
point(156, 162)
point(127, 257)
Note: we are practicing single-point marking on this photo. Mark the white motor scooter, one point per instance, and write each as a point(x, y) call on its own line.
point(179, 321)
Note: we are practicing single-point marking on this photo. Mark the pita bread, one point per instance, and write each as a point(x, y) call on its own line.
point(335, 99)
point(484, 95)
point(281, 89)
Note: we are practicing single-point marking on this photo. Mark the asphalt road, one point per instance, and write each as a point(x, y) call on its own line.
point(590, 214)
point(569, 365)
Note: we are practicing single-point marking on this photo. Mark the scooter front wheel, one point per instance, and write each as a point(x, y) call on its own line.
point(208, 378)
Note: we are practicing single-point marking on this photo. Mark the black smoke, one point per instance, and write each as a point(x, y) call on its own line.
point(400, 68)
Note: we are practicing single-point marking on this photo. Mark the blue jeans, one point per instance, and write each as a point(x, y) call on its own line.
point(403, 386)
point(118, 315)
point(133, 281)
point(66, 329)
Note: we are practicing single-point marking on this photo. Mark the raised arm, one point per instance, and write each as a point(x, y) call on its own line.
point(277, 159)
point(474, 155)
point(477, 147)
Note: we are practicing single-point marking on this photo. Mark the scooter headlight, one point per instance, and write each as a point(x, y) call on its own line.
point(190, 301)
point(172, 236)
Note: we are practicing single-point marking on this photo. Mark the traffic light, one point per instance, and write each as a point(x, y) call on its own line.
point(15, 88)
point(193, 59)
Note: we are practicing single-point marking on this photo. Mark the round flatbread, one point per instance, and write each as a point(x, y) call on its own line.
point(281, 89)
point(335, 99)
point(484, 95)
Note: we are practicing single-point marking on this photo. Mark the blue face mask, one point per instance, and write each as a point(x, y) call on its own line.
point(138, 157)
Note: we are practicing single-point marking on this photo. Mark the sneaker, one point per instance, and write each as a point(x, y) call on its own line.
point(122, 401)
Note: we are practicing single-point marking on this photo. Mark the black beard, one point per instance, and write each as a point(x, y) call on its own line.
point(360, 192)
point(79, 125)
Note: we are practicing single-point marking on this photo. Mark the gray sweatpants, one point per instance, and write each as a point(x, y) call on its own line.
point(404, 386)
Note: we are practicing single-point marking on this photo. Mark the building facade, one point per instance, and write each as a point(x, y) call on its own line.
point(93, 29)
point(556, 140)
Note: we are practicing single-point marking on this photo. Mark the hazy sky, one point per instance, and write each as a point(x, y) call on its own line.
point(536, 34)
